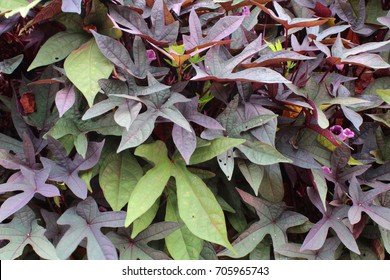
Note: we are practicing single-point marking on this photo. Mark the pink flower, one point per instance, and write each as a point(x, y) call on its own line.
point(327, 169)
point(341, 133)
point(246, 12)
point(151, 55)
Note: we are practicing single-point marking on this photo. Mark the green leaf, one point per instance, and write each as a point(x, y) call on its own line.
point(150, 187)
point(262, 153)
point(382, 118)
point(10, 144)
point(253, 174)
point(213, 149)
point(8, 66)
point(145, 220)
point(22, 7)
point(85, 67)
point(199, 208)
point(271, 187)
point(320, 185)
point(384, 94)
point(57, 47)
point(181, 244)
point(119, 174)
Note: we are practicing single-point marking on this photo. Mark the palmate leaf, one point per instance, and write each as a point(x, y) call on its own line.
point(274, 220)
point(236, 126)
point(215, 35)
point(24, 230)
point(363, 202)
point(158, 34)
point(220, 67)
point(159, 104)
point(85, 221)
point(326, 252)
point(118, 54)
point(30, 182)
point(66, 170)
point(138, 248)
point(332, 218)
point(185, 140)
point(198, 206)
point(71, 6)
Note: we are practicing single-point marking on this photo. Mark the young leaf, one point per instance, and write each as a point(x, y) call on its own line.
point(332, 218)
point(274, 220)
point(137, 248)
point(95, 67)
point(118, 176)
point(24, 230)
point(31, 182)
point(86, 221)
point(363, 202)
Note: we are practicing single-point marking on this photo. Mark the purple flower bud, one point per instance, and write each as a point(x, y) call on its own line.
point(246, 11)
point(151, 55)
point(348, 133)
point(327, 169)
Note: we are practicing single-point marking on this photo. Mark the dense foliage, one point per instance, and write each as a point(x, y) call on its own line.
point(194, 129)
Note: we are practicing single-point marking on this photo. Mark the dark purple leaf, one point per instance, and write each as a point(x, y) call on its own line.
point(332, 218)
point(24, 230)
point(6, 24)
point(54, 232)
point(159, 33)
point(86, 221)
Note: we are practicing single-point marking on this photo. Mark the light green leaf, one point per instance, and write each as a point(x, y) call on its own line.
point(17, 6)
point(252, 173)
point(85, 67)
point(119, 174)
point(181, 244)
point(81, 144)
point(382, 118)
point(150, 187)
point(199, 208)
point(321, 185)
point(215, 148)
point(384, 94)
point(57, 47)
point(271, 187)
point(262, 153)
point(8, 66)
point(145, 220)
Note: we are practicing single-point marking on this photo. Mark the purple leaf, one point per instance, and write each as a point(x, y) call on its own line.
point(158, 34)
point(66, 170)
point(71, 6)
point(363, 202)
point(54, 232)
point(86, 221)
point(274, 220)
point(223, 28)
point(65, 99)
point(137, 248)
point(30, 183)
point(6, 24)
point(24, 230)
point(332, 218)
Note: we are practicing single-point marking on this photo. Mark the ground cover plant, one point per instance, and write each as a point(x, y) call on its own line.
point(194, 129)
